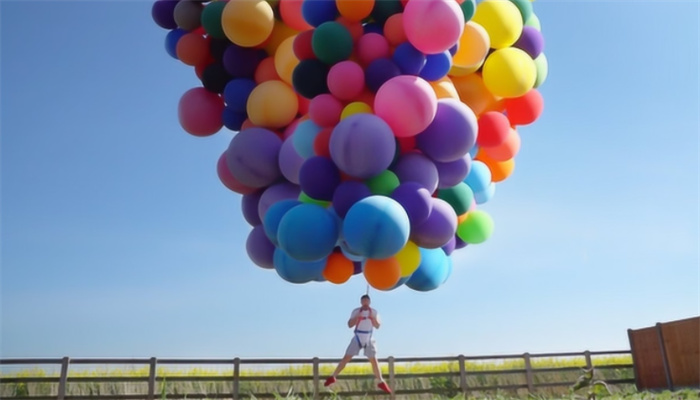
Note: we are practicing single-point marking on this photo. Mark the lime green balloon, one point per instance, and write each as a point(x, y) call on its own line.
point(304, 198)
point(533, 22)
point(211, 19)
point(476, 228)
point(384, 183)
point(542, 67)
point(331, 43)
point(525, 7)
point(460, 197)
point(468, 9)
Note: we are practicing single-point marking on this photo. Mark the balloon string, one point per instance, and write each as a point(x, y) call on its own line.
point(367, 292)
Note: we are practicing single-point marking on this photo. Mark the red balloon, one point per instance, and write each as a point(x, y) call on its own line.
point(200, 111)
point(322, 143)
point(494, 128)
point(526, 109)
point(192, 49)
point(407, 144)
point(302, 45)
point(228, 179)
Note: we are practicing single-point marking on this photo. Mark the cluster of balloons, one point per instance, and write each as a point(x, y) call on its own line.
point(367, 132)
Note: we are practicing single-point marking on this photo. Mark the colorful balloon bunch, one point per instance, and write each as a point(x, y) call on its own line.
point(367, 132)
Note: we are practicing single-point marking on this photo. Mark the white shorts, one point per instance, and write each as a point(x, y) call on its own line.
point(370, 347)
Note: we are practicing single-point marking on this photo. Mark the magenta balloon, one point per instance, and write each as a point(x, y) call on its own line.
point(415, 167)
point(259, 248)
point(253, 157)
point(347, 194)
point(438, 229)
point(453, 173)
point(249, 206)
point(362, 145)
point(290, 161)
point(200, 112)
point(319, 177)
point(275, 193)
point(451, 134)
point(415, 199)
point(228, 179)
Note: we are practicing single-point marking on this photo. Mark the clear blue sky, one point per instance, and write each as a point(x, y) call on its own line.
point(119, 240)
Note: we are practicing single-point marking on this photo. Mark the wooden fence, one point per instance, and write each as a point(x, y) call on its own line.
point(459, 374)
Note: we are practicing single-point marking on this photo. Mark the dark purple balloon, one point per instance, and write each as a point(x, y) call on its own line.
point(347, 194)
point(290, 161)
point(249, 206)
point(260, 249)
point(163, 13)
point(357, 267)
point(380, 71)
point(415, 167)
point(415, 199)
point(319, 177)
point(453, 173)
point(252, 157)
point(277, 192)
point(449, 248)
point(438, 229)
point(241, 62)
point(459, 243)
point(451, 134)
point(531, 41)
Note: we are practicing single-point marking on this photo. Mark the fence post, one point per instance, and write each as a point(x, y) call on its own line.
point(664, 356)
point(63, 379)
point(392, 378)
point(317, 378)
point(528, 373)
point(236, 376)
point(463, 375)
point(152, 378)
point(589, 361)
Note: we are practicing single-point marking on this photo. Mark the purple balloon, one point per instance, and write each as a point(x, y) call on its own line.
point(415, 167)
point(531, 41)
point(362, 145)
point(163, 13)
point(459, 243)
point(357, 267)
point(277, 192)
point(252, 157)
point(415, 199)
point(290, 161)
point(347, 194)
point(241, 62)
point(451, 134)
point(449, 248)
point(380, 71)
point(249, 206)
point(453, 173)
point(319, 177)
point(438, 229)
point(259, 248)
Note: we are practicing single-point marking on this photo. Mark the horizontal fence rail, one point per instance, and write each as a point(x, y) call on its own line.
point(454, 381)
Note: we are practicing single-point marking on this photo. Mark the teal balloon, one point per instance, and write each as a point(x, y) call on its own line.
point(432, 271)
point(295, 271)
point(525, 7)
point(274, 215)
point(331, 43)
point(460, 197)
point(303, 138)
point(308, 232)
point(468, 9)
point(211, 19)
point(376, 227)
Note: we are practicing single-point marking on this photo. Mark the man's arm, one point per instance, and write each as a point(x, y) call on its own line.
point(374, 317)
point(354, 319)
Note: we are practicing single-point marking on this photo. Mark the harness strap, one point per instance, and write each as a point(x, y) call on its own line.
point(357, 338)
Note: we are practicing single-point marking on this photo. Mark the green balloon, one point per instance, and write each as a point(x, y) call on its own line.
point(525, 7)
point(384, 183)
point(468, 9)
point(542, 69)
point(477, 228)
point(460, 197)
point(331, 43)
point(211, 19)
point(304, 198)
point(534, 22)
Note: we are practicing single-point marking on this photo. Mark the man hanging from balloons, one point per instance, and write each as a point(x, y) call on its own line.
point(366, 133)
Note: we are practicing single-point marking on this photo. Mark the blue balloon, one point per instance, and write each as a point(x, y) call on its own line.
point(479, 177)
point(171, 40)
point(376, 227)
point(485, 195)
point(436, 66)
point(303, 138)
point(296, 271)
point(233, 120)
point(432, 271)
point(316, 12)
point(349, 254)
point(274, 215)
point(308, 232)
point(409, 59)
point(453, 49)
point(473, 151)
point(236, 94)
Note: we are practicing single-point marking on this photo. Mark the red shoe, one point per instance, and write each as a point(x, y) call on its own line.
point(330, 381)
point(382, 385)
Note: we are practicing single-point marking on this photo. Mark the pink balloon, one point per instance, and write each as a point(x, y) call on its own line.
point(325, 110)
point(433, 26)
point(372, 46)
point(228, 179)
point(200, 112)
point(407, 103)
point(346, 80)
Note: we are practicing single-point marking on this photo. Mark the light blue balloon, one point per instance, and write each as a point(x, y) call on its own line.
point(303, 138)
point(376, 227)
point(485, 195)
point(479, 177)
point(308, 232)
point(274, 215)
point(433, 270)
point(295, 271)
point(473, 151)
point(349, 254)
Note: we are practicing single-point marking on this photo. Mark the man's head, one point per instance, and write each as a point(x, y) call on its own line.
point(365, 301)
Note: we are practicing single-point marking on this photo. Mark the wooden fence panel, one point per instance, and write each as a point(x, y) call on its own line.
point(646, 357)
point(682, 342)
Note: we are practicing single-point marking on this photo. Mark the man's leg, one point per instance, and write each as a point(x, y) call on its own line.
point(352, 350)
point(371, 353)
point(342, 365)
point(375, 368)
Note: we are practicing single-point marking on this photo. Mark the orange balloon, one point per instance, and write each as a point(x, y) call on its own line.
point(506, 150)
point(382, 274)
point(500, 170)
point(473, 48)
point(338, 269)
point(355, 10)
point(192, 49)
point(473, 92)
point(444, 89)
point(393, 30)
point(266, 71)
point(286, 60)
point(462, 218)
point(279, 33)
point(290, 10)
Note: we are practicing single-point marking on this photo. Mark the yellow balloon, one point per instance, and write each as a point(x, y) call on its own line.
point(509, 73)
point(473, 47)
point(272, 104)
point(501, 19)
point(408, 258)
point(444, 89)
point(285, 60)
point(474, 93)
point(356, 107)
point(279, 33)
point(247, 23)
